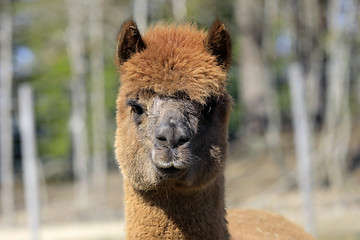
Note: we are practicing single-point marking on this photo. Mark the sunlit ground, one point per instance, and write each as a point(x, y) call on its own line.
point(253, 184)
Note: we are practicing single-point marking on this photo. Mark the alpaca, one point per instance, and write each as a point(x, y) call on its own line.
point(171, 137)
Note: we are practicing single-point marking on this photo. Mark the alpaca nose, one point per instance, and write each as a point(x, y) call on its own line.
point(172, 132)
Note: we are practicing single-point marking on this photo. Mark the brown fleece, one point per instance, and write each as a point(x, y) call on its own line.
point(249, 224)
point(169, 215)
point(178, 61)
point(174, 61)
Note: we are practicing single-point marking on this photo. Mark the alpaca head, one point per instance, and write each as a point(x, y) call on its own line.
point(172, 106)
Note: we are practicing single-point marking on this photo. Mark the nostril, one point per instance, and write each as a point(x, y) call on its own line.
point(181, 137)
point(172, 136)
point(161, 133)
point(183, 140)
point(161, 138)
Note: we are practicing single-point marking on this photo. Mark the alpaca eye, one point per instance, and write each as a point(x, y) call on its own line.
point(209, 107)
point(137, 109)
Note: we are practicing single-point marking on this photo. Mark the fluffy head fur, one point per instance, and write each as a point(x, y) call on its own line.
point(175, 60)
point(172, 73)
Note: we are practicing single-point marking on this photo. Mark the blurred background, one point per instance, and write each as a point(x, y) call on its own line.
point(294, 131)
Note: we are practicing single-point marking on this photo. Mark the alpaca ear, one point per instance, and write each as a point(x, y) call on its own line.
point(218, 43)
point(129, 41)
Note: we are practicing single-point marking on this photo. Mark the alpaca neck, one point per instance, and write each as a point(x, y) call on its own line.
point(166, 215)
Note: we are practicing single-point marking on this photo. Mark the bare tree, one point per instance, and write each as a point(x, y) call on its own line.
point(356, 89)
point(254, 74)
point(273, 132)
point(258, 89)
point(76, 50)
point(141, 14)
point(97, 99)
point(179, 9)
point(29, 159)
point(336, 135)
point(6, 127)
point(308, 29)
point(302, 142)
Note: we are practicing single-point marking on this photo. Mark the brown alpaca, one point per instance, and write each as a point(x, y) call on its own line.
point(171, 138)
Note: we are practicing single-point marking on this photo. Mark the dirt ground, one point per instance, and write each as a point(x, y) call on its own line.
point(258, 185)
point(249, 184)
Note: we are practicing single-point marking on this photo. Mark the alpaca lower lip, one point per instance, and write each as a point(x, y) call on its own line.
point(170, 172)
point(166, 165)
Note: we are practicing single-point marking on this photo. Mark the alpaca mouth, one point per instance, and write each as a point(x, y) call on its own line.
point(169, 169)
point(170, 173)
point(167, 165)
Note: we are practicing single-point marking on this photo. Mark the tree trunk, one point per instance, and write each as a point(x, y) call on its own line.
point(29, 159)
point(76, 50)
point(254, 76)
point(257, 88)
point(98, 113)
point(273, 130)
point(308, 26)
point(337, 129)
point(302, 143)
point(309, 52)
point(141, 14)
point(179, 9)
point(6, 127)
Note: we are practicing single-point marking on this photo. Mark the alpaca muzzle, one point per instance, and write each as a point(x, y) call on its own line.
point(167, 163)
point(172, 133)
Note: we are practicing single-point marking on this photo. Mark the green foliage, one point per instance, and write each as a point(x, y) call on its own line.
point(53, 109)
point(206, 11)
point(42, 28)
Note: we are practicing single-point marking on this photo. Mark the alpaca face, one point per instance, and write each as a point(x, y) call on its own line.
point(182, 142)
point(172, 107)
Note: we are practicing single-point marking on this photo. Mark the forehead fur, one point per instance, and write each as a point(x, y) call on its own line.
point(174, 61)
